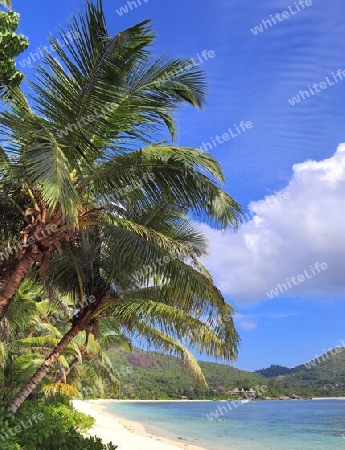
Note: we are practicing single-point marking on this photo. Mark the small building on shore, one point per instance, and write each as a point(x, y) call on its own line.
point(249, 393)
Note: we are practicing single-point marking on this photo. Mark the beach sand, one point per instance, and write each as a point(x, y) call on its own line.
point(127, 435)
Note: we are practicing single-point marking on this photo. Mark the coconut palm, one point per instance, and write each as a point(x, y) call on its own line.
point(86, 359)
point(33, 327)
point(169, 306)
point(98, 130)
point(26, 320)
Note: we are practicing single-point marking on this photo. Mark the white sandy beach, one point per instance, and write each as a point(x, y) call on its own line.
point(127, 435)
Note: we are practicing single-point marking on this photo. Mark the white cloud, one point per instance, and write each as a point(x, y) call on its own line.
point(286, 234)
point(248, 325)
point(245, 322)
point(249, 322)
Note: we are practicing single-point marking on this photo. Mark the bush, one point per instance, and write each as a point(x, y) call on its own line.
point(82, 421)
point(39, 426)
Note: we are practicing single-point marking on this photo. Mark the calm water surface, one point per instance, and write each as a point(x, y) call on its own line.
point(261, 425)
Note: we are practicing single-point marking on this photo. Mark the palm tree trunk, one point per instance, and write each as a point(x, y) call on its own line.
point(14, 268)
point(44, 369)
point(79, 325)
point(11, 276)
point(63, 377)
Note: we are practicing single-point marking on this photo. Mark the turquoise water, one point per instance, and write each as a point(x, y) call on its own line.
point(261, 425)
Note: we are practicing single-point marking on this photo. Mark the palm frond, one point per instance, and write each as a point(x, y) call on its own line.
point(175, 173)
point(200, 335)
point(167, 344)
point(51, 390)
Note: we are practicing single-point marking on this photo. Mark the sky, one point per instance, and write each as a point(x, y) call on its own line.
point(284, 82)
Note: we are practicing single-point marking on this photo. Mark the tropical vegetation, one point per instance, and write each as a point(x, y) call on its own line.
point(61, 175)
point(151, 375)
point(163, 313)
point(11, 45)
point(99, 250)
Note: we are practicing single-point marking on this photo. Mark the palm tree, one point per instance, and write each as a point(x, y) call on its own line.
point(33, 327)
point(28, 320)
point(170, 305)
point(96, 126)
point(87, 357)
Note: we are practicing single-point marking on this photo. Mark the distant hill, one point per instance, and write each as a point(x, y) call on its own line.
point(274, 371)
point(324, 377)
point(156, 376)
point(149, 375)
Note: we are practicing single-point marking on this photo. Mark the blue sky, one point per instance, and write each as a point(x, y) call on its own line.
point(251, 78)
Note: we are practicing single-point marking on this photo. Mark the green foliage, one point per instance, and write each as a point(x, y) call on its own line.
point(6, 3)
point(11, 45)
point(155, 376)
point(100, 112)
point(274, 371)
point(324, 378)
point(58, 429)
point(83, 421)
point(68, 169)
point(80, 155)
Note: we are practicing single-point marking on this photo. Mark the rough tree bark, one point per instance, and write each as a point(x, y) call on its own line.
point(44, 369)
point(11, 276)
point(80, 324)
point(37, 241)
point(63, 377)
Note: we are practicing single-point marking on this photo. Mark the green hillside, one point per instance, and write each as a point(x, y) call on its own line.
point(149, 375)
point(324, 377)
point(274, 371)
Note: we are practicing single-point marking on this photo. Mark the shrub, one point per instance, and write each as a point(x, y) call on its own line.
point(82, 421)
point(39, 426)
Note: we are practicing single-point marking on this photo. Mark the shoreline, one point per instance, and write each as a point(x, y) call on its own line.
point(126, 434)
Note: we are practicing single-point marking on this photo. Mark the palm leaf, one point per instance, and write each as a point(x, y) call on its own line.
point(6, 3)
point(167, 344)
point(51, 390)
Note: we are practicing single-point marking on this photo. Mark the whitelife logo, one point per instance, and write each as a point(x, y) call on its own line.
point(317, 87)
point(192, 63)
point(129, 6)
point(326, 355)
point(42, 51)
point(302, 5)
point(5, 435)
point(297, 280)
point(18, 246)
point(232, 133)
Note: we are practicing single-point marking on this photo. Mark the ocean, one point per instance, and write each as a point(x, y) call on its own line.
point(258, 425)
